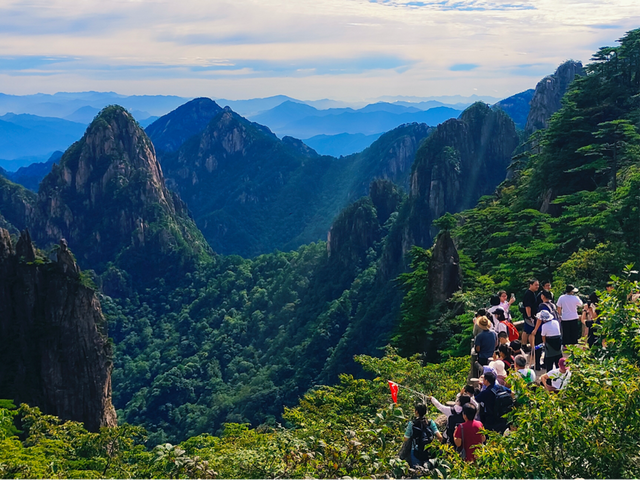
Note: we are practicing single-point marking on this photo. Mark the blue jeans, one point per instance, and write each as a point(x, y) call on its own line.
point(413, 461)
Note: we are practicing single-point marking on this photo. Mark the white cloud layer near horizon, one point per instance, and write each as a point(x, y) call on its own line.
point(342, 49)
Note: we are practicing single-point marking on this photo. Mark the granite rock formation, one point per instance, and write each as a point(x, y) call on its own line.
point(108, 198)
point(17, 205)
point(445, 274)
point(54, 351)
point(461, 161)
point(548, 95)
point(170, 131)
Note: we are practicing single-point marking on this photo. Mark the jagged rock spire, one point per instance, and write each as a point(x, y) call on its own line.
point(54, 353)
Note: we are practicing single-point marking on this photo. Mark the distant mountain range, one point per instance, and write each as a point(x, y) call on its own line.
point(26, 135)
point(344, 128)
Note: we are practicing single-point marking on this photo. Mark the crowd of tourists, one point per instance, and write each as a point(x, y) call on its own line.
point(500, 349)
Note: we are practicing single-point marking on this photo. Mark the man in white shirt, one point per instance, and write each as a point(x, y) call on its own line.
point(556, 379)
point(568, 305)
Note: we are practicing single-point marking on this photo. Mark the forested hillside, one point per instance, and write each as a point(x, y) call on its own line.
point(251, 193)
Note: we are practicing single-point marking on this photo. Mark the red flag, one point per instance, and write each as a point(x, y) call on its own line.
point(394, 391)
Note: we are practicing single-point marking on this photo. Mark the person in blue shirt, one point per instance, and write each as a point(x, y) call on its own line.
point(485, 341)
point(490, 417)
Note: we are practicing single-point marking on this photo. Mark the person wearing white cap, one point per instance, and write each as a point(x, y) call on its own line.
point(551, 338)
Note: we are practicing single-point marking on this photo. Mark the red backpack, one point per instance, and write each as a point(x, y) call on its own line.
point(512, 331)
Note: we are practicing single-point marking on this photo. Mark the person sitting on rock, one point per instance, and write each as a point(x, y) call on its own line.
point(505, 354)
point(501, 373)
point(558, 378)
point(516, 348)
point(527, 374)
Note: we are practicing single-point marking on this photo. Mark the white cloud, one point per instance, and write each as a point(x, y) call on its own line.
point(304, 48)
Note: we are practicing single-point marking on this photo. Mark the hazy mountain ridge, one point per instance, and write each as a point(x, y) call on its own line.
point(29, 135)
point(517, 107)
point(31, 175)
point(251, 193)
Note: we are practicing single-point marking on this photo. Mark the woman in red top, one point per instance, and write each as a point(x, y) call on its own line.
point(467, 434)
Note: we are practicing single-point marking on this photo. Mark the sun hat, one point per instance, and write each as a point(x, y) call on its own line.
point(498, 366)
point(545, 316)
point(483, 323)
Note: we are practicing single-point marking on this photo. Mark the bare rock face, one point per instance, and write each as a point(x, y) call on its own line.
point(108, 198)
point(54, 352)
point(391, 157)
point(353, 232)
point(16, 205)
point(462, 160)
point(445, 275)
point(548, 94)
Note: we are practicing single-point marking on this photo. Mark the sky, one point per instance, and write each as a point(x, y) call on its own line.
point(349, 50)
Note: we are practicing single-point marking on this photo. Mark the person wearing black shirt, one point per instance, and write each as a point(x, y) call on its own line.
point(530, 303)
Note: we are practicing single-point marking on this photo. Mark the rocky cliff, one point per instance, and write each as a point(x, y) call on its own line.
point(16, 205)
point(548, 94)
point(108, 198)
point(445, 274)
point(390, 157)
point(461, 161)
point(54, 352)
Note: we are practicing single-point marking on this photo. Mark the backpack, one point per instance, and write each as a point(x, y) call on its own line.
point(512, 331)
point(422, 436)
point(503, 403)
point(522, 309)
point(453, 421)
point(551, 308)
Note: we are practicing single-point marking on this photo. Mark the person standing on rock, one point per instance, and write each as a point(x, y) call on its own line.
point(530, 303)
point(485, 342)
point(504, 304)
point(568, 305)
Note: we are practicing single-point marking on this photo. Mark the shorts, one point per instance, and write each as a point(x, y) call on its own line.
point(528, 329)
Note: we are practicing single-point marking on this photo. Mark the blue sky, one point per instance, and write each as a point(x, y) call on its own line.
point(349, 50)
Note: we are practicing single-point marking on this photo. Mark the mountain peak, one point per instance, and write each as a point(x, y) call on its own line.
point(170, 131)
point(108, 198)
point(548, 94)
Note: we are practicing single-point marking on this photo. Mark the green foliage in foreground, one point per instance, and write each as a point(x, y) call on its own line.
point(589, 430)
point(353, 431)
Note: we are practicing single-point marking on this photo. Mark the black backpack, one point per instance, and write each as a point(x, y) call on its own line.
point(453, 421)
point(422, 436)
point(503, 403)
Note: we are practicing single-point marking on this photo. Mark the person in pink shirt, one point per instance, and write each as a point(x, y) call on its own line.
point(467, 434)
